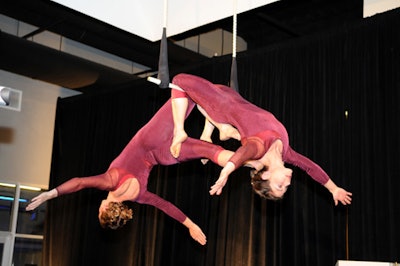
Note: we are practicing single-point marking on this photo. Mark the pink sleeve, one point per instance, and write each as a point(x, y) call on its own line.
point(311, 168)
point(252, 149)
point(166, 206)
point(102, 182)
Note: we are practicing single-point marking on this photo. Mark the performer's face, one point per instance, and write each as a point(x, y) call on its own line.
point(279, 180)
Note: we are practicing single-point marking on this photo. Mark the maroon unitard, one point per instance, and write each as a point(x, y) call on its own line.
point(149, 147)
point(258, 128)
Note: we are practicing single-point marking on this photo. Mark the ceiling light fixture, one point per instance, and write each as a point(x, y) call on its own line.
point(22, 186)
point(4, 96)
point(10, 98)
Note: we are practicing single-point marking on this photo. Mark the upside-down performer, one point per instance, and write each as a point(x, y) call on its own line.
point(127, 176)
point(262, 136)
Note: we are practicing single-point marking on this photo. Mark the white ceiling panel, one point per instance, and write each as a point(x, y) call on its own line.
point(146, 18)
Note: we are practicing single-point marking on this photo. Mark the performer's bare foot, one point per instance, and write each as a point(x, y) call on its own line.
point(177, 141)
point(208, 139)
point(227, 131)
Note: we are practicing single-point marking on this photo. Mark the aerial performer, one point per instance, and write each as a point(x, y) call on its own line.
point(263, 138)
point(127, 176)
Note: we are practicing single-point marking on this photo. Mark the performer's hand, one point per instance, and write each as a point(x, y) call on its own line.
point(195, 232)
point(42, 197)
point(223, 178)
point(339, 194)
point(216, 189)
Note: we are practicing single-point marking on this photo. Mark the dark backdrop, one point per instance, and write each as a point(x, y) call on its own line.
point(337, 93)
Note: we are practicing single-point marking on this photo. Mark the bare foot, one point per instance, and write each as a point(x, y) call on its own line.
point(208, 139)
point(228, 132)
point(177, 141)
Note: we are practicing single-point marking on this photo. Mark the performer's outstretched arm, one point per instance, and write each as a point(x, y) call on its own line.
point(41, 198)
point(251, 149)
point(104, 181)
point(319, 175)
point(174, 212)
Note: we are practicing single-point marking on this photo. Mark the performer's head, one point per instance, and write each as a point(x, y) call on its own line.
point(271, 184)
point(114, 214)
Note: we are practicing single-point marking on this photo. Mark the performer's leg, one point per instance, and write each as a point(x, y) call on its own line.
point(179, 108)
point(226, 131)
point(206, 135)
point(207, 131)
point(195, 148)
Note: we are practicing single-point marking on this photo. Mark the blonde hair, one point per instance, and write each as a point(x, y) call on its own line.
point(115, 215)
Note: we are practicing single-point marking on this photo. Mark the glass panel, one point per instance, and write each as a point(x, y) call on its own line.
point(30, 222)
point(27, 252)
point(6, 202)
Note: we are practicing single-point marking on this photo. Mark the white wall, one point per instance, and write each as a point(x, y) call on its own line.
point(372, 7)
point(26, 136)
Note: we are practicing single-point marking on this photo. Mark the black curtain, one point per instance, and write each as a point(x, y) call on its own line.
point(337, 93)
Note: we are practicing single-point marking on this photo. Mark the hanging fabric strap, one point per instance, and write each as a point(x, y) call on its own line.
point(163, 70)
point(234, 80)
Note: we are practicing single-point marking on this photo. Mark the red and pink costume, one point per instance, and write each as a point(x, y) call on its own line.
point(258, 128)
point(149, 147)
